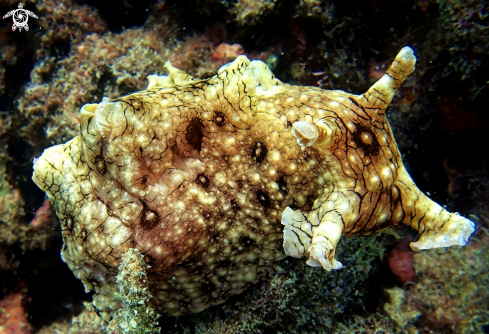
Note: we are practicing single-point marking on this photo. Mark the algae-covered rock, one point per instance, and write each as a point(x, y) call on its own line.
point(135, 315)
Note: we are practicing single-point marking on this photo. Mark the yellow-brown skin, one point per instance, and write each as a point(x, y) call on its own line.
point(369, 188)
point(199, 175)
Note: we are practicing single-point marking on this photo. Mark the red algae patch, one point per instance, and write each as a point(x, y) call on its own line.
point(12, 315)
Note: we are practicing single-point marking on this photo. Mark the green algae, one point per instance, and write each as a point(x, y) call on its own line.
point(296, 298)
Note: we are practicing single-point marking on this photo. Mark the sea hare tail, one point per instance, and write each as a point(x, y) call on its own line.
point(440, 228)
point(437, 226)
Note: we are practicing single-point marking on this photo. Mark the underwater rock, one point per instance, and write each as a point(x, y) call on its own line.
point(12, 315)
point(400, 261)
point(225, 52)
point(86, 322)
point(249, 12)
point(199, 175)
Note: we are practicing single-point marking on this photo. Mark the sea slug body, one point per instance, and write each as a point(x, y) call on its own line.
point(207, 179)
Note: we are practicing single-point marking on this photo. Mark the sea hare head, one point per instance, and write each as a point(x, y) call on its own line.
point(200, 176)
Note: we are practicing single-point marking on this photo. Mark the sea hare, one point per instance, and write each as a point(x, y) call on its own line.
point(201, 175)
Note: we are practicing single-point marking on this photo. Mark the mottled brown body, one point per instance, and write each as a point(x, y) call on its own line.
point(200, 175)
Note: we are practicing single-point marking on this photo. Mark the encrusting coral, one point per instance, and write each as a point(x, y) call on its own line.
point(199, 175)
